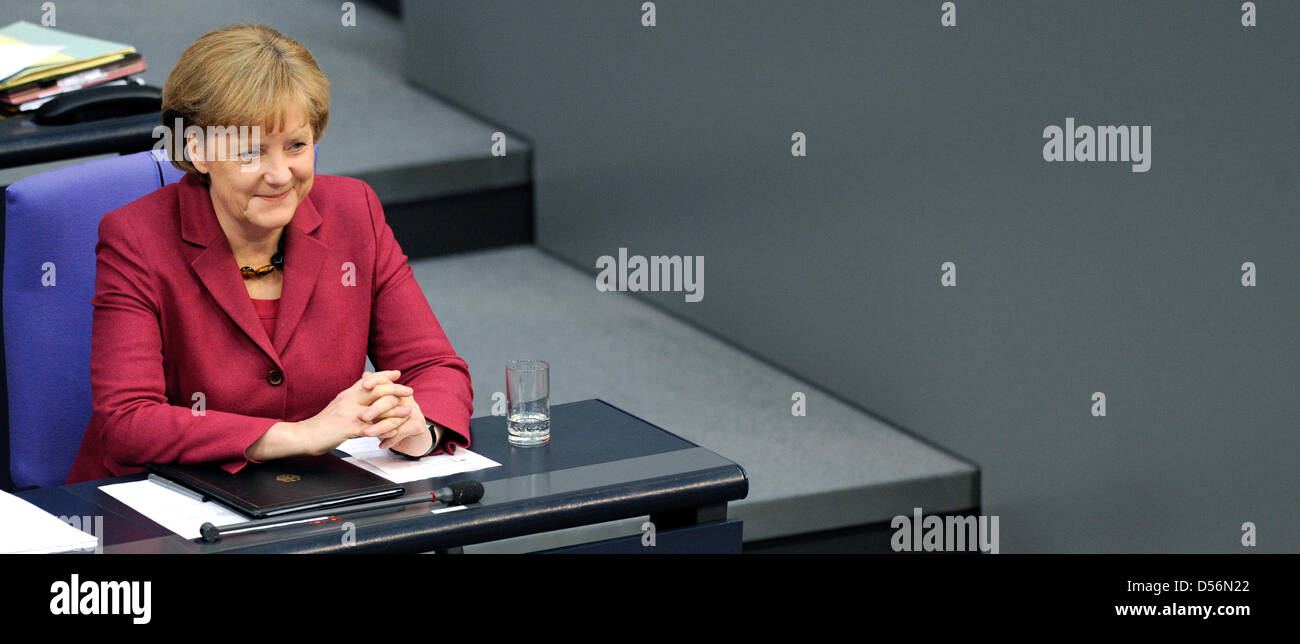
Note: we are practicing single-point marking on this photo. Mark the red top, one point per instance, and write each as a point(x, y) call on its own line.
point(267, 310)
point(182, 370)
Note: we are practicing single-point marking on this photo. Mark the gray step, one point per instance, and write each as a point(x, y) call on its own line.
point(836, 467)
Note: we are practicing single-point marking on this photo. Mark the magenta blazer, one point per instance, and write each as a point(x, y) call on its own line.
point(181, 369)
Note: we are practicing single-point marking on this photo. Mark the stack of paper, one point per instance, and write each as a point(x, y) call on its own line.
point(27, 529)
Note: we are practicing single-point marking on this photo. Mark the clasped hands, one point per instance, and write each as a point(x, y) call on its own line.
point(392, 408)
point(375, 406)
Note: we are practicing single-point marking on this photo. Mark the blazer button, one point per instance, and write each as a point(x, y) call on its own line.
point(274, 377)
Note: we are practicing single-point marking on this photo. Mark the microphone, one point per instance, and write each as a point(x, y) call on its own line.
point(460, 493)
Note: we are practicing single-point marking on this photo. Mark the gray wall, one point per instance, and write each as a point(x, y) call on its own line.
point(925, 146)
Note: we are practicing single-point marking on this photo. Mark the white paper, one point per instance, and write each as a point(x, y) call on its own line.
point(27, 529)
point(364, 452)
point(177, 512)
point(16, 58)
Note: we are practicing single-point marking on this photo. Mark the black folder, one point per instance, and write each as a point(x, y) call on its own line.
point(284, 485)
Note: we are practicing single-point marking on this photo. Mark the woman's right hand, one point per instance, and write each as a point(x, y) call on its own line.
point(341, 419)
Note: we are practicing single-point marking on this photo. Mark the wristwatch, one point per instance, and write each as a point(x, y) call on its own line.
point(429, 424)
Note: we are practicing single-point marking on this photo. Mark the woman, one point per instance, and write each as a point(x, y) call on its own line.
point(235, 308)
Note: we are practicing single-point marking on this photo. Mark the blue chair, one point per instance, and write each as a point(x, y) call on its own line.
point(51, 229)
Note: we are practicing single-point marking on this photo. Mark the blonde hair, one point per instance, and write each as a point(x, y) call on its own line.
point(242, 75)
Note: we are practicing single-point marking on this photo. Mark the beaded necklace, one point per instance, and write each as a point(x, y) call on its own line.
point(277, 261)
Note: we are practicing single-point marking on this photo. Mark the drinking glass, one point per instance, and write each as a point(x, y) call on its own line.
point(528, 401)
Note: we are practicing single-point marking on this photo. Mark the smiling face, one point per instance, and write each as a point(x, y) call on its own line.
point(255, 191)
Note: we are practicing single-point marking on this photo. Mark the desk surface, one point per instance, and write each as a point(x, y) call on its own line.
point(601, 464)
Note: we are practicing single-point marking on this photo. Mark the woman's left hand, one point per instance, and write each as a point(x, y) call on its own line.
point(412, 437)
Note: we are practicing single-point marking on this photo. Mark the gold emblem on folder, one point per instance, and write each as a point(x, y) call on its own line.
point(288, 478)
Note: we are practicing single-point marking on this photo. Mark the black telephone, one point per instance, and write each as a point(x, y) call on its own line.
point(95, 103)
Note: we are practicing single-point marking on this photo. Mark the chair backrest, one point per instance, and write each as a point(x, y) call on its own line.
point(51, 229)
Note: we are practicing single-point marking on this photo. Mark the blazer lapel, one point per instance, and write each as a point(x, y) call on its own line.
point(304, 256)
point(214, 264)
